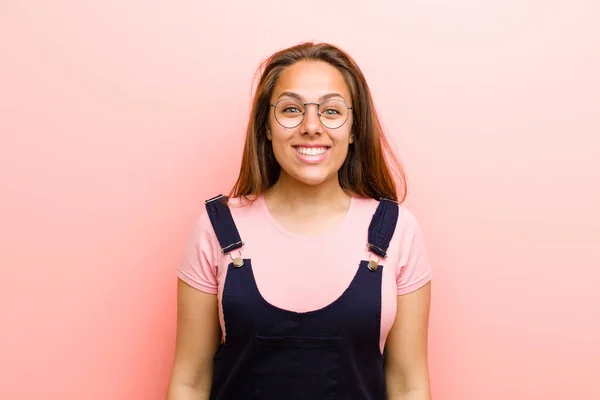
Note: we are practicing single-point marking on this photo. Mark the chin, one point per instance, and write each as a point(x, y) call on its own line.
point(312, 182)
point(313, 179)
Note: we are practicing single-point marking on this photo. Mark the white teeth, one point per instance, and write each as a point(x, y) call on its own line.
point(311, 151)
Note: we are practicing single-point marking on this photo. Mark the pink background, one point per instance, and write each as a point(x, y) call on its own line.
point(117, 118)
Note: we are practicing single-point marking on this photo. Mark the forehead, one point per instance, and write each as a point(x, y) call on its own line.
point(311, 79)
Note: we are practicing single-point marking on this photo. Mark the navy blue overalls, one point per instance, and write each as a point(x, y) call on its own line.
point(275, 354)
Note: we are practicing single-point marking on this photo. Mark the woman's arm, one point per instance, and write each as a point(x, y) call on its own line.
point(198, 335)
point(406, 367)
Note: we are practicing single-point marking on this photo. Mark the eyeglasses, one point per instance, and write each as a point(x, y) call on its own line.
point(333, 113)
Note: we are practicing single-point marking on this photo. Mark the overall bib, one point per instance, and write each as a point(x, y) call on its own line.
point(274, 354)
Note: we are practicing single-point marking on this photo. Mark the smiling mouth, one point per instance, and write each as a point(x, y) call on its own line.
point(311, 151)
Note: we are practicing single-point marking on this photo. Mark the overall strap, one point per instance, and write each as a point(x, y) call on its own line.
point(382, 227)
point(222, 222)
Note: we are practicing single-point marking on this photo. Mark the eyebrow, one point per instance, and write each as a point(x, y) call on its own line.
point(298, 97)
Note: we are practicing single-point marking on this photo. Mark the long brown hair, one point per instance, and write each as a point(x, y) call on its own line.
point(367, 170)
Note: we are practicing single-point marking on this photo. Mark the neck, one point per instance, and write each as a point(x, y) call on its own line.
point(299, 196)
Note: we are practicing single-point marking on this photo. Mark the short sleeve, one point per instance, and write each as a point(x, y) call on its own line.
point(415, 270)
point(198, 266)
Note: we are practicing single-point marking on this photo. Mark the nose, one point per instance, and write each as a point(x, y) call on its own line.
point(311, 123)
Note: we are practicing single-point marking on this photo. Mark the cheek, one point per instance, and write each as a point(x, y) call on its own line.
point(280, 141)
point(343, 139)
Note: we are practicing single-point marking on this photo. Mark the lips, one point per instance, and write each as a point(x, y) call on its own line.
point(311, 154)
point(311, 151)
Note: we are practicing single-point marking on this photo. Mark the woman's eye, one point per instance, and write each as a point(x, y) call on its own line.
point(331, 111)
point(291, 110)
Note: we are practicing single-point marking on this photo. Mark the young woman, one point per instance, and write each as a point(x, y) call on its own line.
point(310, 281)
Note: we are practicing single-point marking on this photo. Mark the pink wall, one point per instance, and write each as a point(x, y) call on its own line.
point(117, 118)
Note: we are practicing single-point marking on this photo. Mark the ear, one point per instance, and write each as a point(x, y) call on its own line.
point(269, 134)
point(351, 139)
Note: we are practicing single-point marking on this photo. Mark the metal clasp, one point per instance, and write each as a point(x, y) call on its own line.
point(237, 261)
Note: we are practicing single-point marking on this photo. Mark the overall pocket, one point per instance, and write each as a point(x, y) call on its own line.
point(297, 368)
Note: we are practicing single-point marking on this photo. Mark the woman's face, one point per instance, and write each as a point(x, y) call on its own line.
point(308, 150)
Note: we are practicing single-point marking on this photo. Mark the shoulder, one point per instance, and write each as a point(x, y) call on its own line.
point(203, 232)
point(233, 204)
point(407, 232)
point(364, 205)
point(242, 212)
point(211, 212)
point(407, 221)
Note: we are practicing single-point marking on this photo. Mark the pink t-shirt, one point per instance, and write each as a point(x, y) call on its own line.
point(306, 273)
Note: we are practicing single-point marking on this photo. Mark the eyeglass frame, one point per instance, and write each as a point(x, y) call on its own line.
point(350, 108)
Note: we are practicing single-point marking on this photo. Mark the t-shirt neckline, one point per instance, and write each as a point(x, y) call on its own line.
point(260, 202)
